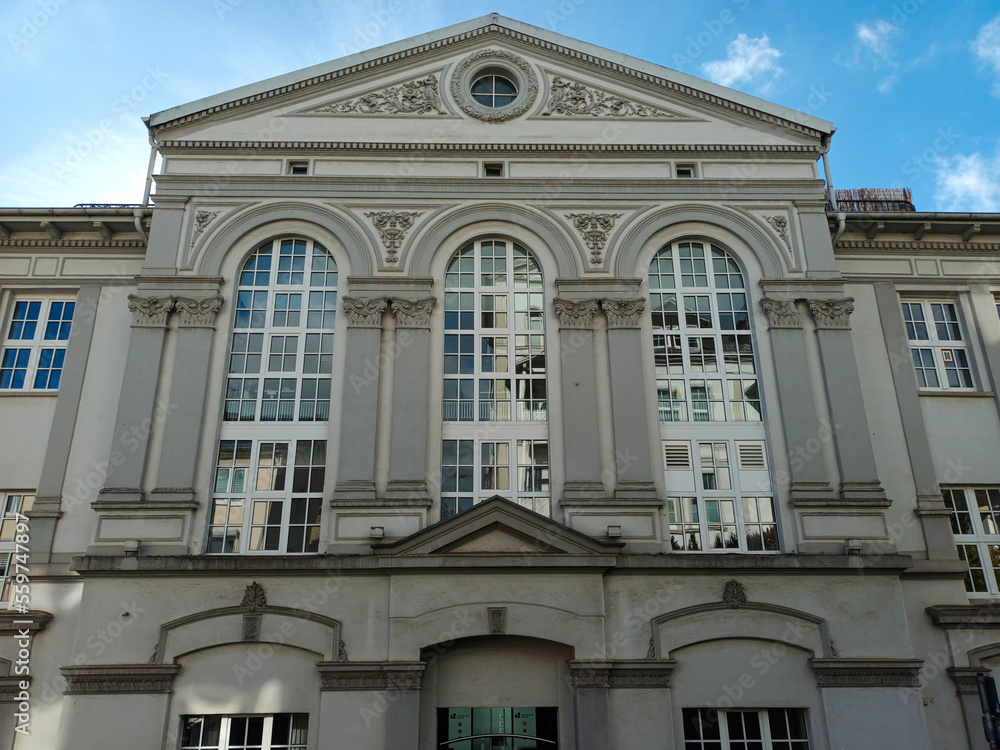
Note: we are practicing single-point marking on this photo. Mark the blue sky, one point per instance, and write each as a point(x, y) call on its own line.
point(912, 85)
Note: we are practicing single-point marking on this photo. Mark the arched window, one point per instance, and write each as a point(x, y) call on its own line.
point(271, 462)
point(495, 434)
point(715, 457)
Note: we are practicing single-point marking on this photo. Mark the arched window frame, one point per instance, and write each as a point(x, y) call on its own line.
point(270, 462)
point(495, 437)
point(707, 369)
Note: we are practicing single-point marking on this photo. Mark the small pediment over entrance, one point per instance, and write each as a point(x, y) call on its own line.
point(498, 528)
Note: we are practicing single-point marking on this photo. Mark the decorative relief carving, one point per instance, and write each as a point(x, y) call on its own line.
point(525, 97)
point(496, 618)
point(10, 688)
point(569, 98)
point(198, 313)
point(372, 676)
point(651, 653)
point(832, 313)
point(342, 652)
point(201, 221)
point(392, 227)
point(417, 97)
point(623, 313)
point(781, 313)
point(119, 678)
point(734, 594)
point(589, 674)
point(412, 313)
point(576, 313)
point(254, 598)
point(594, 229)
point(780, 225)
point(641, 675)
point(150, 312)
point(251, 627)
point(365, 313)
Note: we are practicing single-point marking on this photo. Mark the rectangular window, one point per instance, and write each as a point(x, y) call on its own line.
point(34, 346)
point(473, 471)
point(268, 496)
point(217, 732)
point(752, 729)
point(940, 358)
point(13, 506)
point(975, 521)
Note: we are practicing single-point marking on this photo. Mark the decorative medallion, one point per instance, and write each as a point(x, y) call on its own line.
point(392, 227)
point(201, 221)
point(365, 313)
point(198, 313)
point(623, 313)
point(576, 313)
point(498, 62)
point(594, 229)
point(780, 225)
point(781, 313)
point(150, 312)
point(417, 97)
point(496, 618)
point(253, 597)
point(412, 313)
point(734, 594)
point(832, 313)
point(569, 98)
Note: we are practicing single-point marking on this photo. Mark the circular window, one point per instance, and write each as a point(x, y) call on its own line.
point(494, 85)
point(494, 90)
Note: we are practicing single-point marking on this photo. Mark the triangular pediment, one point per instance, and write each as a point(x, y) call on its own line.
point(413, 91)
point(497, 528)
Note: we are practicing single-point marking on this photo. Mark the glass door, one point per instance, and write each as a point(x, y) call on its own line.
point(497, 728)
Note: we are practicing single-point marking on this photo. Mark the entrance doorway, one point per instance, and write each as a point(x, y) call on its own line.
point(495, 728)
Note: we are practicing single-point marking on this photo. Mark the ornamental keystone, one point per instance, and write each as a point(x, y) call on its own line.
point(594, 229)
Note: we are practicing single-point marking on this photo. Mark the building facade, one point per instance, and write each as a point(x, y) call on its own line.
point(491, 389)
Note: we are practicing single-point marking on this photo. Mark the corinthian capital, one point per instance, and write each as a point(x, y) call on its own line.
point(623, 313)
point(365, 313)
point(150, 312)
point(198, 313)
point(832, 313)
point(576, 313)
point(781, 313)
point(412, 313)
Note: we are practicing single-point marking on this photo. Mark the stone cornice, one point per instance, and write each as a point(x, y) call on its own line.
point(386, 675)
point(10, 688)
point(61, 244)
point(119, 678)
point(961, 616)
point(12, 621)
point(621, 674)
point(867, 673)
point(496, 30)
point(213, 565)
point(613, 148)
point(918, 246)
point(965, 679)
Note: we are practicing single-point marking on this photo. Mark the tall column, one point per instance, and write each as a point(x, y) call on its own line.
point(359, 411)
point(630, 408)
point(808, 478)
point(48, 506)
point(184, 420)
point(410, 400)
point(851, 436)
point(137, 404)
point(581, 446)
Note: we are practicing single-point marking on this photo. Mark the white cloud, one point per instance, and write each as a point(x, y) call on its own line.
point(968, 183)
point(987, 48)
point(751, 61)
point(875, 39)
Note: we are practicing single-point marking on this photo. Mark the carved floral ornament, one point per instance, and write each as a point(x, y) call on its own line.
point(780, 225)
point(201, 221)
point(365, 313)
point(781, 313)
point(832, 313)
point(623, 313)
point(152, 312)
point(392, 227)
point(569, 98)
point(412, 313)
point(594, 229)
point(576, 313)
point(416, 97)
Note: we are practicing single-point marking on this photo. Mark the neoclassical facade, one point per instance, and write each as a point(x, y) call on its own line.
point(494, 390)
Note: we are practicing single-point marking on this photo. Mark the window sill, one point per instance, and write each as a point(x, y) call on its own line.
point(956, 393)
point(11, 392)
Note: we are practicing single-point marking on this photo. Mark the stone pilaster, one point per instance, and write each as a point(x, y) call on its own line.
point(851, 436)
point(591, 682)
point(359, 411)
point(186, 415)
point(137, 407)
point(808, 478)
point(630, 411)
point(410, 400)
point(579, 392)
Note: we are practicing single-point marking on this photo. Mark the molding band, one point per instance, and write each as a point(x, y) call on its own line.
point(119, 678)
